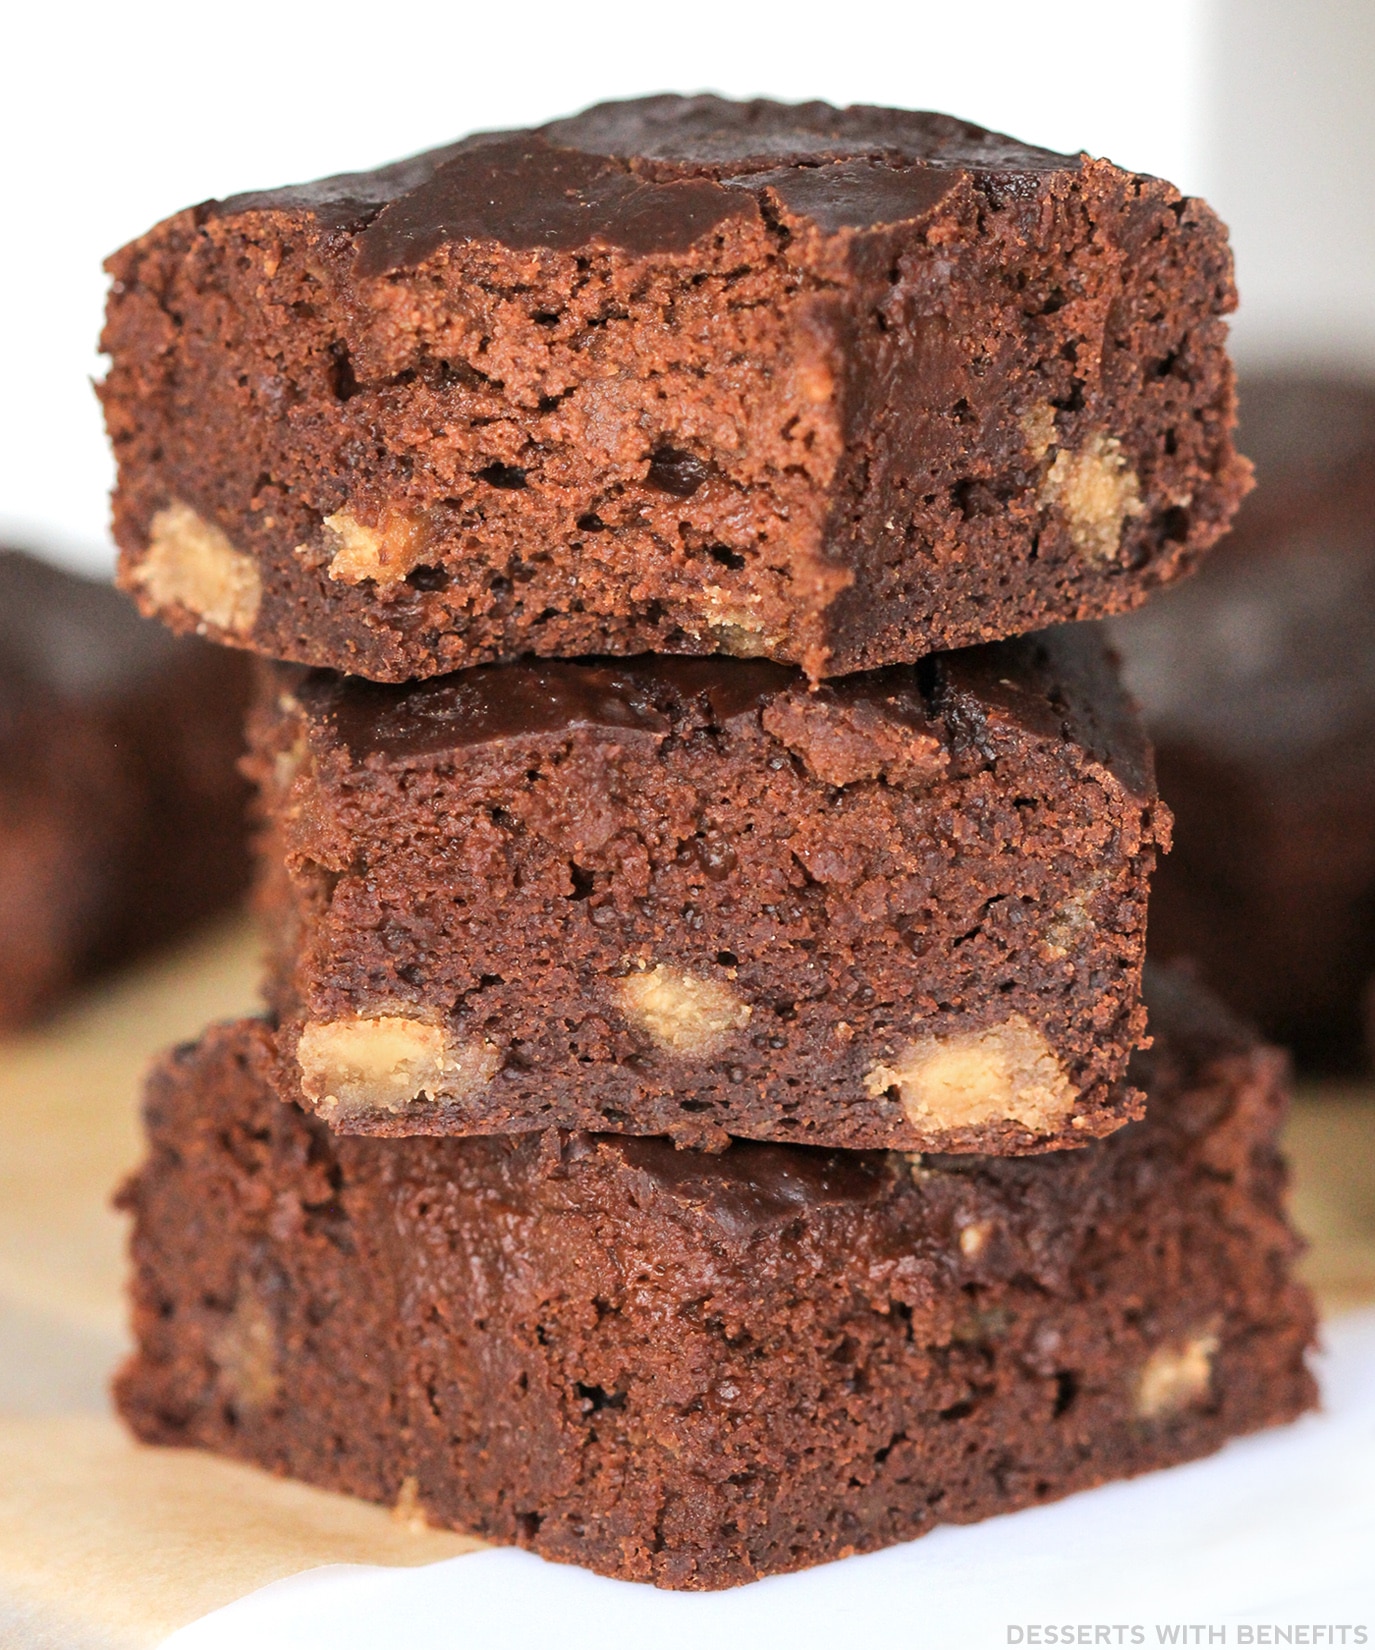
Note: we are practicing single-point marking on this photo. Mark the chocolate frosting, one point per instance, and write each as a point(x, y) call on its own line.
point(524, 192)
point(856, 194)
point(718, 137)
point(753, 1185)
point(1056, 684)
point(654, 175)
point(640, 698)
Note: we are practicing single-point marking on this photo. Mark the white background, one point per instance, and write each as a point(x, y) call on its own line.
point(113, 117)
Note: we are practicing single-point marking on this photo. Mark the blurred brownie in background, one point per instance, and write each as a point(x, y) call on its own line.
point(1257, 680)
point(121, 809)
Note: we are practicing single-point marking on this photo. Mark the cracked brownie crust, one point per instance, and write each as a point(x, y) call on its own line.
point(690, 897)
point(832, 387)
point(700, 1369)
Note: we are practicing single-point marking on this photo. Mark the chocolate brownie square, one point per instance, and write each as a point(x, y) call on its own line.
point(122, 817)
point(1257, 681)
point(836, 387)
point(692, 897)
point(698, 1369)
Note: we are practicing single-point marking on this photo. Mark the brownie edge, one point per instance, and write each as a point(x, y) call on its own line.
point(697, 1370)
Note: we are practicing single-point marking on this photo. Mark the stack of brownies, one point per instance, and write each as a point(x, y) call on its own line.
point(706, 1122)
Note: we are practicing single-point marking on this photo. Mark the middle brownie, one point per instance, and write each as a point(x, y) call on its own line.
point(692, 897)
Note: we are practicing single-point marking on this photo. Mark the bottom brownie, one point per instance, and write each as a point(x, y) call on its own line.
point(696, 1370)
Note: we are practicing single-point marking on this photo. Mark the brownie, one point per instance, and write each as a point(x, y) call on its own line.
point(836, 387)
point(122, 816)
point(698, 1369)
point(692, 897)
point(1258, 684)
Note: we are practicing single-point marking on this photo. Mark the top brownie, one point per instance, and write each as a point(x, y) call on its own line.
point(836, 387)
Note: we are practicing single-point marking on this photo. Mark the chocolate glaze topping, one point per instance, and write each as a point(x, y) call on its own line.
point(717, 137)
point(856, 194)
point(753, 1185)
point(654, 175)
point(495, 702)
point(525, 193)
point(1053, 685)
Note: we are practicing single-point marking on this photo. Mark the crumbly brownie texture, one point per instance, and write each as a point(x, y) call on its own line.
point(122, 818)
point(694, 1369)
point(1258, 684)
point(833, 387)
point(691, 897)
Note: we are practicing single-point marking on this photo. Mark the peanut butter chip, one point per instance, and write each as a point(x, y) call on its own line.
point(1005, 1073)
point(1071, 920)
point(739, 641)
point(1176, 1378)
point(190, 563)
point(385, 553)
point(682, 1013)
point(287, 764)
point(386, 1062)
point(245, 1351)
point(815, 381)
point(1098, 493)
point(409, 1511)
point(1038, 426)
